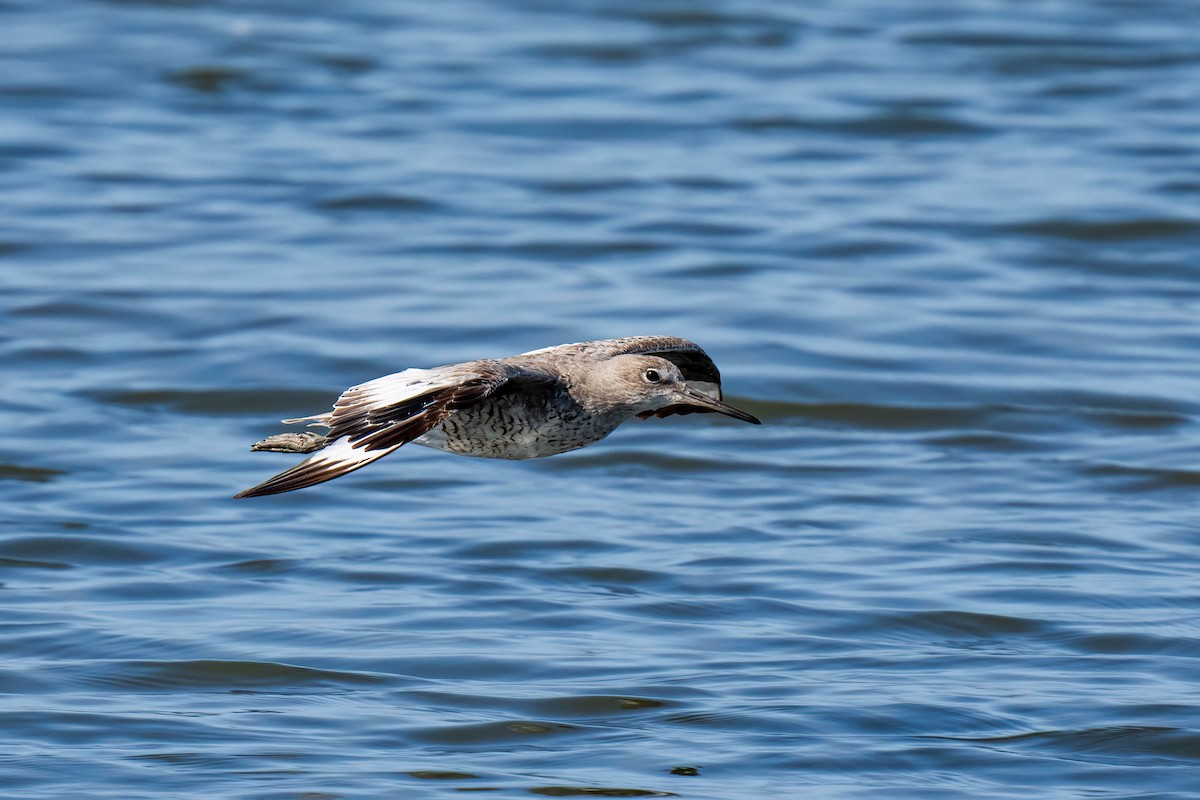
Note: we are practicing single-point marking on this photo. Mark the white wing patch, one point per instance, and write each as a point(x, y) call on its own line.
point(395, 388)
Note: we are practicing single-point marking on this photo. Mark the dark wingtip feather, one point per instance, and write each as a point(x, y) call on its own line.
point(289, 481)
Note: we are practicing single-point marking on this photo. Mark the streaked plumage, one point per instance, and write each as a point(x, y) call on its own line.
point(532, 405)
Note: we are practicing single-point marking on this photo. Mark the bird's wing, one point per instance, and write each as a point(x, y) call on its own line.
point(374, 418)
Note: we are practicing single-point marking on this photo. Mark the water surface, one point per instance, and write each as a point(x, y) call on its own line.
point(948, 254)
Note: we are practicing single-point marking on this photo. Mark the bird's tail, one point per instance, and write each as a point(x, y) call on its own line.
point(305, 442)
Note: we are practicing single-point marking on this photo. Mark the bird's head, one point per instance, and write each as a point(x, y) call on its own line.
point(644, 385)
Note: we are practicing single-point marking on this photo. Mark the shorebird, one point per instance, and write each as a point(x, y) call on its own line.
point(532, 405)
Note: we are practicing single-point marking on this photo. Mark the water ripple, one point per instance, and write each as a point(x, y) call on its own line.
point(944, 251)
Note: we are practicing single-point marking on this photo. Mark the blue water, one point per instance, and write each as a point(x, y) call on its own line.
point(947, 252)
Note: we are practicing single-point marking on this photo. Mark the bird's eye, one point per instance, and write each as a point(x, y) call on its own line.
point(652, 376)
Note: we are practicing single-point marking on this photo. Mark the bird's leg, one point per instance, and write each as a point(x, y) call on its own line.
point(305, 442)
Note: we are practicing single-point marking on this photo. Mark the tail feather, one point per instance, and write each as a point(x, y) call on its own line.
point(306, 442)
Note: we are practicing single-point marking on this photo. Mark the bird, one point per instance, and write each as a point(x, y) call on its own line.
point(536, 404)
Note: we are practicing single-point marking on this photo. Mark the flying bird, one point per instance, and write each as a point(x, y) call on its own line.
point(532, 405)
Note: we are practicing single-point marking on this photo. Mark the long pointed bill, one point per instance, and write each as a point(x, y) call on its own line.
point(703, 402)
